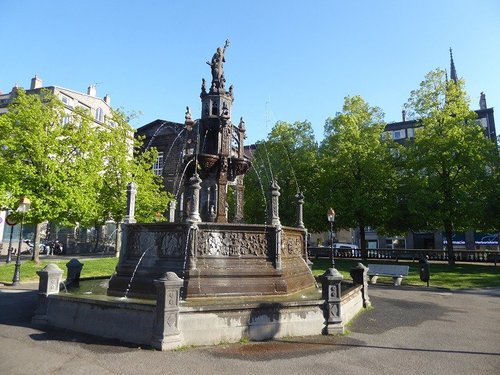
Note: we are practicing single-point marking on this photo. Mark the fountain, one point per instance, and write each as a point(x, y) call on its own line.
point(214, 257)
point(200, 278)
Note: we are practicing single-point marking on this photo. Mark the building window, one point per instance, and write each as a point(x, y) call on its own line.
point(410, 132)
point(98, 114)
point(65, 120)
point(66, 100)
point(398, 134)
point(158, 164)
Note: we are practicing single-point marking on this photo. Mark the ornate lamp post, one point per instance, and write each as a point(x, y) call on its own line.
point(24, 206)
point(331, 218)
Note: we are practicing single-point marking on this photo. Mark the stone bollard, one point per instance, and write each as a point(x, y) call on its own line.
point(331, 293)
point(166, 334)
point(50, 281)
point(74, 267)
point(359, 276)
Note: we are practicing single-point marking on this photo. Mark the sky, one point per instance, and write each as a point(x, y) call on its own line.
point(288, 60)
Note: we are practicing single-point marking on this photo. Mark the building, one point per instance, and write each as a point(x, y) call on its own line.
point(100, 109)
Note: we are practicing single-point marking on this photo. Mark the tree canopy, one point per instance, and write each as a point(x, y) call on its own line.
point(72, 170)
point(358, 178)
point(451, 159)
point(289, 156)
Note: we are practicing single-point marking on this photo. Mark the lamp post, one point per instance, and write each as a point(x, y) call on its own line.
point(331, 218)
point(24, 207)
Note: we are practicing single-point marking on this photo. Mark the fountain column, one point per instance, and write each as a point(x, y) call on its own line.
point(273, 217)
point(300, 210)
point(274, 220)
point(194, 202)
point(238, 217)
point(330, 284)
point(166, 334)
point(131, 192)
point(49, 281)
point(171, 211)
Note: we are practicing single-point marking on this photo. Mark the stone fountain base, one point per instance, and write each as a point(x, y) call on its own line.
point(199, 323)
point(214, 260)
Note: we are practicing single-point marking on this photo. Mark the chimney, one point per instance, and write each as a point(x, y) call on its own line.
point(91, 91)
point(36, 83)
point(482, 101)
point(107, 100)
point(403, 113)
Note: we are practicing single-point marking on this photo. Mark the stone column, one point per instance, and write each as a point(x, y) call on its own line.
point(49, 283)
point(171, 211)
point(331, 293)
point(240, 188)
point(300, 209)
point(194, 201)
point(166, 334)
point(131, 192)
point(273, 218)
point(359, 276)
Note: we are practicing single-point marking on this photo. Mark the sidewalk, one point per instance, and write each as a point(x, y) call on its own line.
point(409, 330)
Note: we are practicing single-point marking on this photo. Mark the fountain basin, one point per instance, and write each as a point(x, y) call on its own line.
point(202, 321)
point(213, 259)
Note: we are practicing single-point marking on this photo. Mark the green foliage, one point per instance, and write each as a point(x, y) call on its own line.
point(358, 175)
point(442, 275)
point(92, 268)
point(71, 169)
point(289, 155)
point(451, 162)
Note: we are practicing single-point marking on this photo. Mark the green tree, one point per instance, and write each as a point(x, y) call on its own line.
point(451, 159)
point(72, 171)
point(289, 155)
point(358, 174)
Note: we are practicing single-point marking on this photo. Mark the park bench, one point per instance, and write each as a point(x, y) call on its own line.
point(397, 272)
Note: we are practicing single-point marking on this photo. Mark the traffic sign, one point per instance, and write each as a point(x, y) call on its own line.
point(10, 220)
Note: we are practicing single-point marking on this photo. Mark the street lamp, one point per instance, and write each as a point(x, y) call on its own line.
point(331, 218)
point(24, 206)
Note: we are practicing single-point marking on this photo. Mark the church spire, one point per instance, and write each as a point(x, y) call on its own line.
point(453, 71)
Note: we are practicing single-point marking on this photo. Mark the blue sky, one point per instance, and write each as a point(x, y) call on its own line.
point(288, 60)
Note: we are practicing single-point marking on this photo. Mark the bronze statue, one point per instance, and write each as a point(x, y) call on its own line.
point(217, 65)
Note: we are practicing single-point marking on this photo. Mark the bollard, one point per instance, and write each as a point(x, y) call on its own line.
point(166, 334)
point(50, 281)
point(331, 293)
point(359, 276)
point(74, 267)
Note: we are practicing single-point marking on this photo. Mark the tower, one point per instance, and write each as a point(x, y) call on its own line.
point(214, 147)
point(453, 71)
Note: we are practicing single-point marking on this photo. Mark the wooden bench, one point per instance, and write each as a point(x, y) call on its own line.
point(397, 272)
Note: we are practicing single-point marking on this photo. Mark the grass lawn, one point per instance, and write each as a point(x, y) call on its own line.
point(91, 268)
point(461, 275)
point(442, 275)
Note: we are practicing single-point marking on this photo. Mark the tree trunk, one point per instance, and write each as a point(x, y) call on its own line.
point(449, 238)
point(364, 250)
point(97, 237)
point(36, 246)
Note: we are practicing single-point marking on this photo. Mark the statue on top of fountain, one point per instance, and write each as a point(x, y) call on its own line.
point(217, 66)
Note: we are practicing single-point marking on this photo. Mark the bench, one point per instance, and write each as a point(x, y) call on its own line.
point(397, 272)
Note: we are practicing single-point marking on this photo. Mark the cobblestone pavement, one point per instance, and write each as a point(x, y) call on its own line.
point(409, 330)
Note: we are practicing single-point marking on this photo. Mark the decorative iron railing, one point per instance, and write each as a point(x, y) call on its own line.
point(487, 256)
